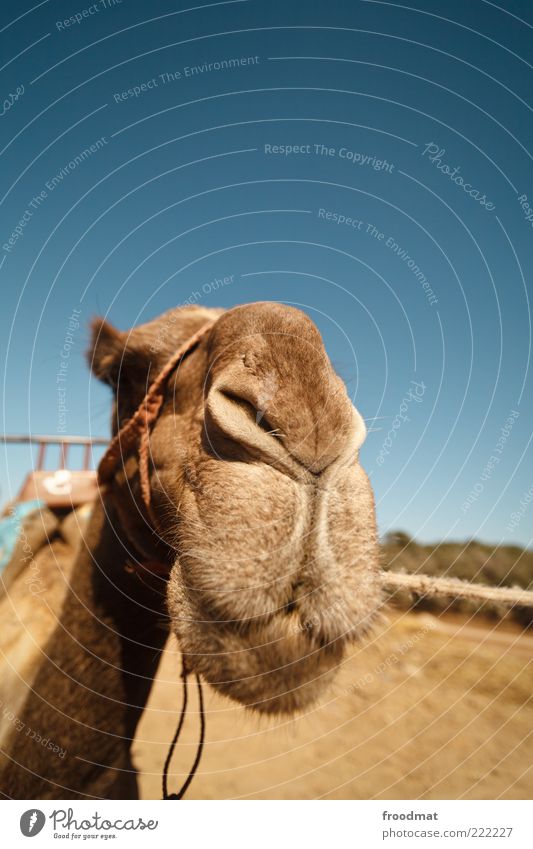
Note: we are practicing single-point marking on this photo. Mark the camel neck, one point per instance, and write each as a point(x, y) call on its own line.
point(95, 677)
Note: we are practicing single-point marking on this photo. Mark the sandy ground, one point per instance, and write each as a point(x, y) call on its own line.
point(429, 707)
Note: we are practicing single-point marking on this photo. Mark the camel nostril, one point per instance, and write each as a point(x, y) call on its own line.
point(264, 424)
point(256, 414)
point(290, 607)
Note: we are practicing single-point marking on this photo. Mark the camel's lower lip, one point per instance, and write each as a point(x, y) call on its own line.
point(273, 668)
point(278, 661)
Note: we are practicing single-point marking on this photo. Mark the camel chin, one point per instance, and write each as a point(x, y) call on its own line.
point(270, 666)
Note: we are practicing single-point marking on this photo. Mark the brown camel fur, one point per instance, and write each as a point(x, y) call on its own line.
point(265, 520)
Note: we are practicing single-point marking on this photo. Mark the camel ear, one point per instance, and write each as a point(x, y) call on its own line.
point(106, 351)
point(114, 356)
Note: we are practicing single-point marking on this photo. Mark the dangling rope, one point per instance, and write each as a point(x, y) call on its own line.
point(192, 772)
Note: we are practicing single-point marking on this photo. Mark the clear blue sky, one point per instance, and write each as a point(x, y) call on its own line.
point(413, 122)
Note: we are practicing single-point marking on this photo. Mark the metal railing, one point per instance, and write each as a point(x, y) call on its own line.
point(63, 441)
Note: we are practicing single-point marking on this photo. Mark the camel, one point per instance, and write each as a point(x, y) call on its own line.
point(251, 536)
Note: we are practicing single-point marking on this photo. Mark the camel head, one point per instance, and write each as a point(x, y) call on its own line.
point(258, 493)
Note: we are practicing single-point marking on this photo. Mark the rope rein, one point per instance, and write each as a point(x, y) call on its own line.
point(135, 434)
point(199, 749)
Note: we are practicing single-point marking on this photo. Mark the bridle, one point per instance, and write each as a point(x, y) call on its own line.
point(135, 434)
